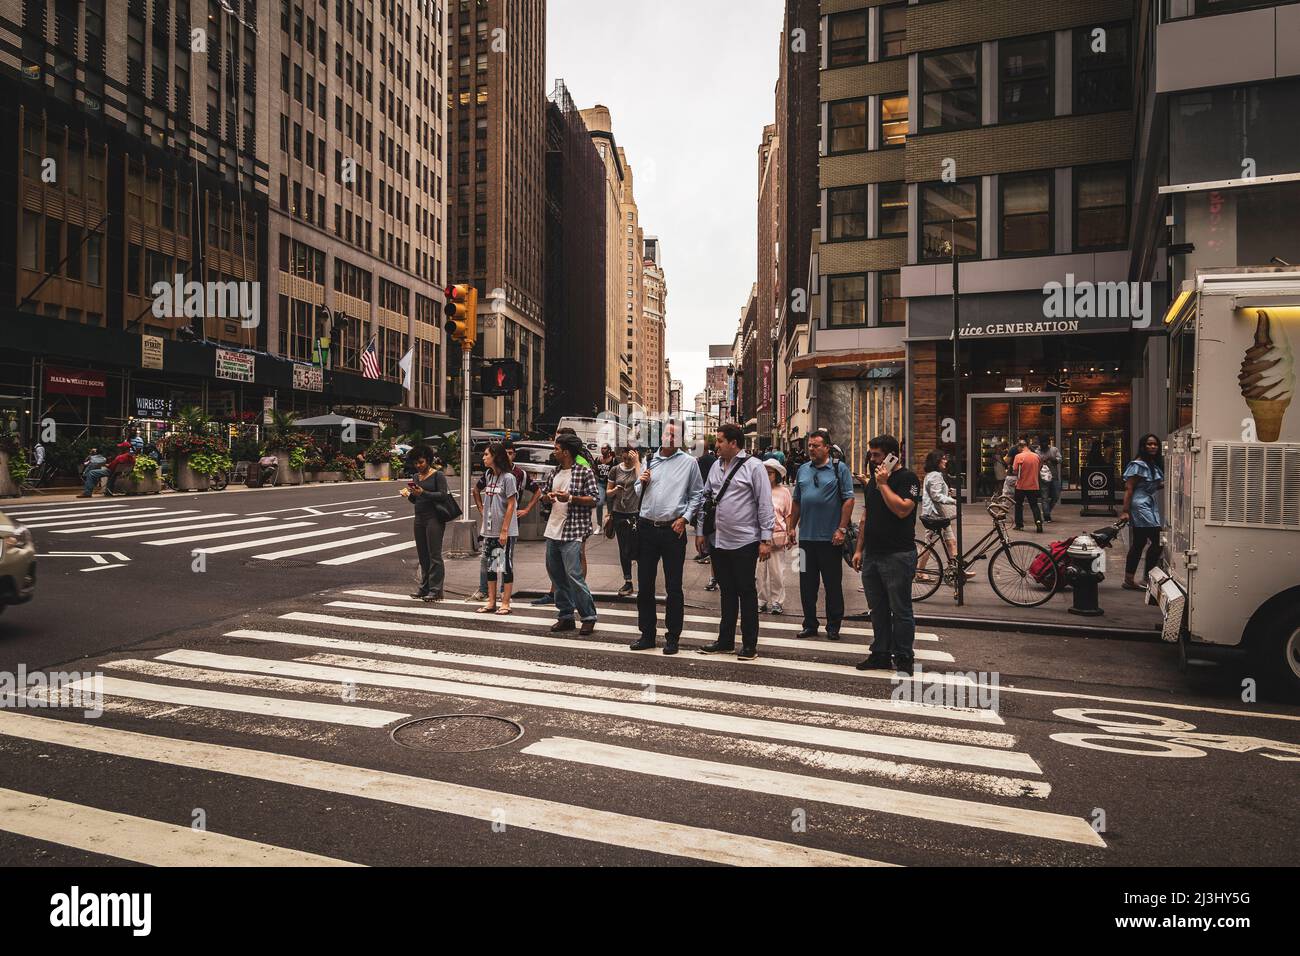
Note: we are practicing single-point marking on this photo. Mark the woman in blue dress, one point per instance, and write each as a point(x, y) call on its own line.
point(1144, 480)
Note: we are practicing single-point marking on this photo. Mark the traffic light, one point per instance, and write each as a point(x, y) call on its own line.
point(500, 377)
point(462, 314)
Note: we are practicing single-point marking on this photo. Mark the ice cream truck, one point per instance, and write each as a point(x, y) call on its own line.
point(1229, 582)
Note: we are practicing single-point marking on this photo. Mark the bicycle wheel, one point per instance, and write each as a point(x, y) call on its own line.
point(929, 572)
point(1012, 579)
point(220, 480)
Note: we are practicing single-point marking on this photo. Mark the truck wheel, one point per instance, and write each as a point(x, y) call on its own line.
point(1278, 647)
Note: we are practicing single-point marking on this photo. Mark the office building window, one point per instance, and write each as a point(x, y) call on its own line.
point(848, 38)
point(1025, 70)
point(892, 307)
point(1102, 75)
point(1026, 214)
point(1100, 207)
point(848, 126)
point(950, 89)
point(893, 120)
point(892, 206)
point(846, 301)
point(946, 207)
point(848, 213)
point(893, 31)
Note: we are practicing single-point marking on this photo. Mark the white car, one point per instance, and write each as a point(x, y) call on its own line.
point(537, 459)
point(17, 563)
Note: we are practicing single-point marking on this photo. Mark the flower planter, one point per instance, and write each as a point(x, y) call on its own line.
point(284, 474)
point(332, 477)
point(381, 472)
point(8, 487)
point(187, 479)
point(310, 476)
point(131, 485)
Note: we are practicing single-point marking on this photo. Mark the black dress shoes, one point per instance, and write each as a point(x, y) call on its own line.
point(644, 644)
point(875, 663)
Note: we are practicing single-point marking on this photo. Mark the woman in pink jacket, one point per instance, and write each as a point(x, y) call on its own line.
point(771, 573)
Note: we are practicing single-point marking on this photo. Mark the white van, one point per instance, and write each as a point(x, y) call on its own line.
point(596, 432)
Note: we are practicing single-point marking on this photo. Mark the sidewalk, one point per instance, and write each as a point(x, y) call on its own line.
point(1125, 610)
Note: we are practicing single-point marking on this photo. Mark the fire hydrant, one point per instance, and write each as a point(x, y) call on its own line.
point(1085, 569)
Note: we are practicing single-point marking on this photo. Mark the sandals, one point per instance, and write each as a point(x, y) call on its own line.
point(490, 609)
point(503, 612)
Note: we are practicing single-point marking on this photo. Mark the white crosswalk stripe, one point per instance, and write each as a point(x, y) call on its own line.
point(191, 539)
point(367, 555)
point(768, 624)
point(65, 522)
point(139, 840)
point(203, 524)
point(325, 546)
point(695, 726)
point(832, 647)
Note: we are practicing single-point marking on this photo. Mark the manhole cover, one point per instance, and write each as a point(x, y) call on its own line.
point(457, 733)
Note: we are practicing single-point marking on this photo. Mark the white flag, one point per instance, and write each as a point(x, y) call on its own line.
point(405, 365)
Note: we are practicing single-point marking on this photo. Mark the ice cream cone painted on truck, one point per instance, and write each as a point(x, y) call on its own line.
point(1268, 378)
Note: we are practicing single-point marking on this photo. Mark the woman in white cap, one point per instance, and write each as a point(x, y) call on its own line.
point(771, 574)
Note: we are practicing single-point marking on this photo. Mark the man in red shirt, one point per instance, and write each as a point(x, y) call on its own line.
point(1026, 467)
point(123, 463)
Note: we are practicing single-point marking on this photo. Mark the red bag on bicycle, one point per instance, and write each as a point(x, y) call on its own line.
point(1044, 569)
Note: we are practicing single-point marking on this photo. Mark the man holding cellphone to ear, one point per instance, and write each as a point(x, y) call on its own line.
point(886, 556)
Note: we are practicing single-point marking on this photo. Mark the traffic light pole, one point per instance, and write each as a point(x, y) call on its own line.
point(462, 313)
point(466, 435)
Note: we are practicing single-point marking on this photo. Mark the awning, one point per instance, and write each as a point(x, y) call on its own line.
point(853, 362)
point(332, 421)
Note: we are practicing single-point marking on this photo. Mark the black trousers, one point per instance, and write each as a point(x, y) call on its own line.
point(737, 572)
point(653, 546)
point(1032, 498)
point(823, 566)
point(428, 545)
point(625, 532)
point(1140, 538)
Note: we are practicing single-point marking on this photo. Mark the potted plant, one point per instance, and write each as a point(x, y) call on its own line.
point(13, 466)
point(209, 462)
point(144, 478)
point(312, 466)
point(338, 469)
point(283, 440)
point(379, 459)
point(191, 438)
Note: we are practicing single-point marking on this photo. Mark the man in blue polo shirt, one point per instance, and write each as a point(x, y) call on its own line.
point(822, 514)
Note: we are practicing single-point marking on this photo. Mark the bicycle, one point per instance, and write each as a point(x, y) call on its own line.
point(1009, 566)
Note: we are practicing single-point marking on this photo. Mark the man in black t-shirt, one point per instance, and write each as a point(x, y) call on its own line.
point(886, 556)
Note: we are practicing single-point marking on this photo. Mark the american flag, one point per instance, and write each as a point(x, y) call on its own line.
point(370, 360)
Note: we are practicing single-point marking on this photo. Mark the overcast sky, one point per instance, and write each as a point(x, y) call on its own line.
point(690, 85)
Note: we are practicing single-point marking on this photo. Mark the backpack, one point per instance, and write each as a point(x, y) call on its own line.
point(1047, 570)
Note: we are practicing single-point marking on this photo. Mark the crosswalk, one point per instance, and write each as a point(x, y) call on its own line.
point(301, 533)
point(307, 697)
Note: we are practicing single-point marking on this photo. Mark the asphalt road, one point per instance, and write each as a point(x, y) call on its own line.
point(257, 652)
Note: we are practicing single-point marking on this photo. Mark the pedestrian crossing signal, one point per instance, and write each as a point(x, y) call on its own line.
point(503, 377)
point(462, 314)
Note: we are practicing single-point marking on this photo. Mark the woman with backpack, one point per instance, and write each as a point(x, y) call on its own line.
point(1144, 479)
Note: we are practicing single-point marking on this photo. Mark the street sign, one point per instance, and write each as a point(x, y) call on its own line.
point(501, 377)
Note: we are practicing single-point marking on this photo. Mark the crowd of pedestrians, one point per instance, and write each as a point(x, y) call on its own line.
point(751, 519)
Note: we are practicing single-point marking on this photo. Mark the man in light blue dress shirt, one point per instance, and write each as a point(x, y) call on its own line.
point(671, 490)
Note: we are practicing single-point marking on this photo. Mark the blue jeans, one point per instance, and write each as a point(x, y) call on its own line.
point(887, 580)
point(1051, 496)
point(92, 478)
point(564, 565)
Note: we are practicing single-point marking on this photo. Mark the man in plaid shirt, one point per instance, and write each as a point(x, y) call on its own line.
point(572, 491)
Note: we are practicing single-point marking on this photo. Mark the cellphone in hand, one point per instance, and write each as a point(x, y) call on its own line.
point(890, 462)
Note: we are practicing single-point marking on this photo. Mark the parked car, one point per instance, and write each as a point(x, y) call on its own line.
point(17, 563)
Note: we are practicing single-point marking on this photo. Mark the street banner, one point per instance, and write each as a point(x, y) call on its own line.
point(268, 407)
point(235, 366)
